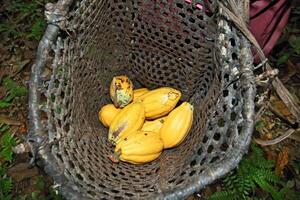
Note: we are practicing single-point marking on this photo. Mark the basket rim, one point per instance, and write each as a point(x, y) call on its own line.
point(36, 136)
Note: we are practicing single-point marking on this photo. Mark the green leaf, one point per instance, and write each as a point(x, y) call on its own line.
point(37, 29)
point(7, 140)
point(4, 127)
point(4, 104)
point(13, 88)
point(260, 124)
point(283, 58)
point(6, 143)
point(6, 154)
point(223, 195)
point(5, 187)
point(295, 43)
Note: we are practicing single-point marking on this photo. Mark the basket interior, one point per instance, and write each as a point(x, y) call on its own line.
point(156, 44)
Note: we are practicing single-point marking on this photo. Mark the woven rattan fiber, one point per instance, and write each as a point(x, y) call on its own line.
point(189, 46)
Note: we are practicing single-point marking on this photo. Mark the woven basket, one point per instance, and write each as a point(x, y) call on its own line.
point(190, 46)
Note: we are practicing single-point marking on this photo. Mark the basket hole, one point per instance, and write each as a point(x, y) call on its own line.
point(172, 180)
point(59, 157)
point(234, 56)
point(224, 147)
point(52, 97)
point(226, 77)
point(114, 174)
point(187, 41)
point(179, 5)
point(193, 163)
point(179, 182)
point(192, 20)
point(232, 42)
point(156, 171)
point(67, 128)
point(234, 102)
point(239, 129)
point(205, 139)
point(197, 46)
point(235, 86)
point(228, 134)
point(217, 136)
point(128, 194)
point(224, 108)
point(192, 173)
point(146, 186)
point(114, 191)
point(233, 116)
point(214, 159)
point(81, 168)
point(91, 193)
point(202, 161)
point(91, 178)
point(199, 152)
point(221, 122)
point(178, 36)
point(71, 164)
point(182, 15)
point(210, 148)
point(225, 93)
point(79, 177)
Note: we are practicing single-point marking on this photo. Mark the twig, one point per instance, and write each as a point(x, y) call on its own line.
point(276, 140)
point(261, 111)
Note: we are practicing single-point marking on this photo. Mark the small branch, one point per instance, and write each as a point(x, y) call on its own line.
point(276, 140)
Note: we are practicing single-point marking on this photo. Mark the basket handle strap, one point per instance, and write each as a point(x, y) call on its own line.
point(55, 14)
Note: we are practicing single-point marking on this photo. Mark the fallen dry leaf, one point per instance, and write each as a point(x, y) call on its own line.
point(282, 160)
point(9, 121)
point(22, 171)
point(280, 106)
point(2, 92)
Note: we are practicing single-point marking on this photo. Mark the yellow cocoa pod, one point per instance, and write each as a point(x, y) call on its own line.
point(177, 125)
point(159, 102)
point(139, 92)
point(107, 113)
point(129, 119)
point(121, 91)
point(153, 126)
point(139, 147)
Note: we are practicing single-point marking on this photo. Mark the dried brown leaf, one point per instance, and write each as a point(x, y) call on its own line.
point(282, 160)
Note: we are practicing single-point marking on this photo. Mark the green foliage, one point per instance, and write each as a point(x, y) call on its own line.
point(295, 43)
point(13, 90)
point(289, 44)
point(254, 171)
point(37, 30)
point(23, 19)
point(6, 143)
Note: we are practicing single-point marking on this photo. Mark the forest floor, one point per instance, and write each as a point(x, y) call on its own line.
point(277, 176)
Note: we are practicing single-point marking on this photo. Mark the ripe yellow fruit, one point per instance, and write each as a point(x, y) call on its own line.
point(129, 119)
point(177, 125)
point(159, 102)
point(139, 147)
point(121, 91)
point(153, 126)
point(139, 92)
point(107, 113)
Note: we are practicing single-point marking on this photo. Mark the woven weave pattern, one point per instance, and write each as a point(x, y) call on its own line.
point(155, 43)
